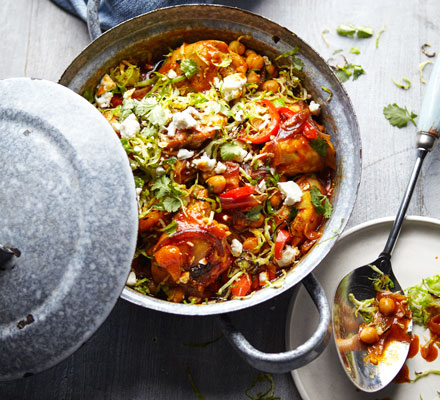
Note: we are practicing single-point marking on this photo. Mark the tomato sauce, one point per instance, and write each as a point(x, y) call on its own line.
point(414, 346)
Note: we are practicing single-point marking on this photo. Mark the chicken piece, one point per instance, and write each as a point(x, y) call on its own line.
point(212, 58)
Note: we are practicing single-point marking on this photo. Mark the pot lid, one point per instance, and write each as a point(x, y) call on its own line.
point(68, 204)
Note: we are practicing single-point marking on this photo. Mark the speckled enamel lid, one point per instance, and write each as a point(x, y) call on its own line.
point(68, 204)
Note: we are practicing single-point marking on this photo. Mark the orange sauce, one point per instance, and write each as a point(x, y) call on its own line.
point(429, 351)
point(403, 375)
point(414, 346)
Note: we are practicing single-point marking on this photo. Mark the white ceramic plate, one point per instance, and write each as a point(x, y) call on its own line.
point(416, 256)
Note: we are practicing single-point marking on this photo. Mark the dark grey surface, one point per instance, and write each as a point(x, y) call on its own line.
point(142, 354)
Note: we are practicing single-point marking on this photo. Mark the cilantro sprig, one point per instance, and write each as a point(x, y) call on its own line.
point(320, 202)
point(169, 194)
point(229, 151)
point(319, 145)
point(398, 116)
point(189, 67)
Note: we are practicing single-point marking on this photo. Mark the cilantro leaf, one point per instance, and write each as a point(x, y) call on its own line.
point(288, 53)
point(189, 67)
point(143, 107)
point(296, 62)
point(398, 116)
point(357, 71)
point(254, 213)
point(355, 50)
point(229, 151)
point(342, 75)
point(346, 29)
point(320, 202)
point(293, 212)
point(162, 185)
point(171, 204)
point(320, 145)
point(88, 95)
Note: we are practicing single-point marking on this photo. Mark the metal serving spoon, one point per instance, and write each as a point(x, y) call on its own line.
point(365, 375)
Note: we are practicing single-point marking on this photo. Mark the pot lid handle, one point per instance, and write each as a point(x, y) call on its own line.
point(93, 19)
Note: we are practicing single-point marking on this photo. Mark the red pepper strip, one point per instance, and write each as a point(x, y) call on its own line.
point(116, 101)
point(238, 193)
point(282, 237)
point(269, 131)
point(241, 286)
point(309, 131)
point(434, 325)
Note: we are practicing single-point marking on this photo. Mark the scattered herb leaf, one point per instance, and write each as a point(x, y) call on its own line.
point(171, 204)
point(421, 68)
point(357, 71)
point(264, 394)
point(425, 373)
point(379, 34)
point(398, 116)
point(346, 29)
point(88, 95)
point(364, 32)
point(193, 385)
point(355, 50)
point(229, 151)
point(338, 51)
point(320, 202)
point(403, 86)
point(296, 62)
point(293, 212)
point(189, 67)
point(288, 53)
point(330, 93)
point(319, 145)
point(254, 213)
point(424, 46)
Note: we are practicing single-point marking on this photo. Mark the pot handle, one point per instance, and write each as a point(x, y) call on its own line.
point(93, 19)
point(292, 359)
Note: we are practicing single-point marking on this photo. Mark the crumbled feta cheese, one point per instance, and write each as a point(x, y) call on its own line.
point(220, 168)
point(291, 192)
point(104, 100)
point(129, 127)
point(217, 82)
point(116, 126)
point(262, 186)
point(241, 156)
point(263, 276)
point(205, 163)
point(236, 248)
point(249, 156)
point(160, 171)
point(314, 108)
point(232, 87)
point(184, 154)
point(182, 120)
point(239, 116)
point(172, 74)
point(137, 149)
point(128, 93)
point(288, 256)
point(131, 280)
point(138, 191)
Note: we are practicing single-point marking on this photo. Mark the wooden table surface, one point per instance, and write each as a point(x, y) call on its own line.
point(143, 354)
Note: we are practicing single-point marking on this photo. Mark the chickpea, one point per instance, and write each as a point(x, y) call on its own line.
point(276, 200)
point(255, 61)
point(387, 306)
point(237, 47)
point(171, 258)
point(271, 85)
point(272, 70)
point(369, 335)
point(250, 244)
point(253, 77)
point(217, 183)
point(248, 52)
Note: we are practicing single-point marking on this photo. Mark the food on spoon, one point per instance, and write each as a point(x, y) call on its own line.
point(386, 318)
point(233, 171)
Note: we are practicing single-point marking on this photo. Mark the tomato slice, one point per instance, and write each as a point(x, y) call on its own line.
point(270, 130)
point(239, 193)
point(309, 131)
point(282, 237)
point(241, 286)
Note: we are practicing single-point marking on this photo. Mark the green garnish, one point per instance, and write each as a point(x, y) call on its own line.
point(330, 93)
point(297, 63)
point(288, 53)
point(320, 145)
point(337, 51)
point(293, 212)
point(320, 202)
point(254, 213)
point(263, 394)
point(424, 299)
point(344, 72)
point(189, 67)
point(420, 375)
point(88, 95)
point(125, 78)
point(229, 151)
point(382, 30)
point(433, 285)
point(421, 68)
point(170, 228)
point(325, 31)
point(364, 32)
point(398, 116)
point(149, 109)
point(424, 50)
point(357, 71)
point(170, 192)
point(381, 282)
point(366, 308)
point(355, 50)
point(403, 86)
point(193, 385)
point(346, 30)
point(279, 103)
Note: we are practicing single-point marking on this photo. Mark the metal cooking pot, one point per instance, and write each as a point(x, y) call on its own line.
point(152, 34)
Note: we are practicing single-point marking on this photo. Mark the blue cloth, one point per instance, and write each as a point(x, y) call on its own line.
point(113, 12)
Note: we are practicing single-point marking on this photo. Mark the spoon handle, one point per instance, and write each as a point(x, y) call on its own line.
point(428, 133)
